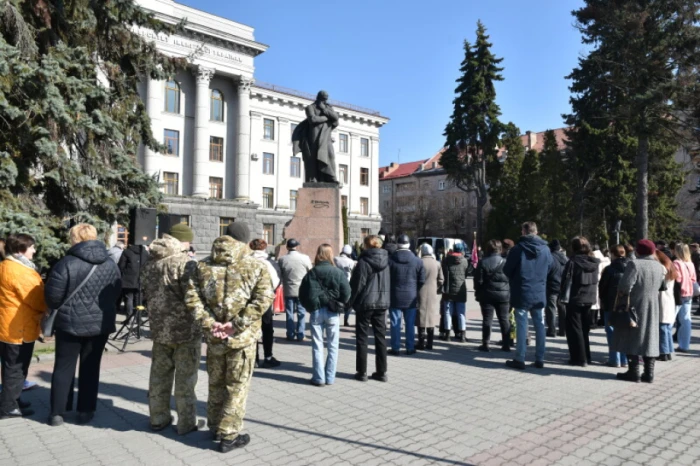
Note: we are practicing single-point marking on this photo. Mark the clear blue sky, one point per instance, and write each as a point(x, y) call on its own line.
point(402, 57)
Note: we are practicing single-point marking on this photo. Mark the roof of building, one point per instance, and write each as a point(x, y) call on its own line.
point(399, 170)
point(538, 139)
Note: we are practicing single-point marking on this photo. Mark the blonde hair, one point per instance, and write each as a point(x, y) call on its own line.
point(82, 232)
point(324, 254)
point(683, 252)
point(373, 242)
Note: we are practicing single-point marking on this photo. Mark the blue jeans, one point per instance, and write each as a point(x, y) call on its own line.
point(521, 328)
point(666, 338)
point(613, 356)
point(324, 320)
point(292, 306)
point(409, 316)
point(461, 310)
point(686, 325)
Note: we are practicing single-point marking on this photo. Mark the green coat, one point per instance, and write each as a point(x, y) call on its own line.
point(312, 293)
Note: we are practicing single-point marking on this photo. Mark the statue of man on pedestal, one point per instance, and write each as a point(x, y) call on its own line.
point(312, 138)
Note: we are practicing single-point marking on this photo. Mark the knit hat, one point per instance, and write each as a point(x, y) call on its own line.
point(645, 248)
point(555, 245)
point(426, 250)
point(404, 242)
point(181, 232)
point(459, 247)
point(238, 231)
point(347, 250)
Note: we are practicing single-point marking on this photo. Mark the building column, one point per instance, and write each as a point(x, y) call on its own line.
point(374, 177)
point(242, 188)
point(201, 132)
point(154, 107)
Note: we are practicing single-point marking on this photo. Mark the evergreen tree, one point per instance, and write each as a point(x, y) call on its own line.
point(472, 135)
point(71, 119)
point(530, 187)
point(505, 216)
point(641, 75)
point(556, 190)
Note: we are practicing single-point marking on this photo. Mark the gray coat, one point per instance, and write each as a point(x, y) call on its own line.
point(429, 295)
point(294, 266)
point(642, 281)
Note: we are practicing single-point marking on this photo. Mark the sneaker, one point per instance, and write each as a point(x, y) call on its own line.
point(679, 350)
point(394, 353)
point(270, 363)
point(55, 421)
point(239, 442)
point(513, 364)
point(15, 413)
point(361, 377)
point(316, 383)
point(539, 364)
point(28, 385)
point(379, 377)
point(484, 348)
point(198, 426)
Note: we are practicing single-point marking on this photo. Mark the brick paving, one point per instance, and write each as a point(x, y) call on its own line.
point(450, 406)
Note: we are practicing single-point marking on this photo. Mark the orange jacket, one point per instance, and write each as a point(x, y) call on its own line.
point(22, 303)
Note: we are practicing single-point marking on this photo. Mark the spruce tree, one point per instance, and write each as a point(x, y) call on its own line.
point(556, 190)
point(71, 119)
point(505, 215)
point(472, 135)
point(641, 75)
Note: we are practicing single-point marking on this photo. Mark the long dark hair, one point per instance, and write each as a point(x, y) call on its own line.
point(580, 245)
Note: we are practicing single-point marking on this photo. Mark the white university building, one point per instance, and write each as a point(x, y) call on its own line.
point(229, 138)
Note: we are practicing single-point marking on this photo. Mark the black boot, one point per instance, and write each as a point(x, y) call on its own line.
point(632, 374)
point(462, 337)
point(421, 339)
point(648, 375)
point(431, 334)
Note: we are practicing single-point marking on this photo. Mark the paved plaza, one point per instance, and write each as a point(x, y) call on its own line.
point(453, 405)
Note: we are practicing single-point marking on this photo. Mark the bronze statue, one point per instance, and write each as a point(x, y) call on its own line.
point(312, 138)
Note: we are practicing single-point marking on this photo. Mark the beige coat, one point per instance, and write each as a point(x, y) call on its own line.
point(429, 295)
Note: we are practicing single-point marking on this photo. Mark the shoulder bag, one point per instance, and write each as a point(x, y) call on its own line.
point(565, 294)
point(333, 304)
point(624, 314)
point(47, 322)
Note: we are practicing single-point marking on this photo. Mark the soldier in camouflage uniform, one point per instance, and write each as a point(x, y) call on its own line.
point(177, 337)
point(230, 287)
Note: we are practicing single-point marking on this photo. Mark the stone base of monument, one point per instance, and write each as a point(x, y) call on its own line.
point(317, 219)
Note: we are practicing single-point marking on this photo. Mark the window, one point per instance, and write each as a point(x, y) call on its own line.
point(185, 219)
point(364, 176)
point(172, 142)
point(216, 149)
point(216, 108)
point(343, 173)
point(295, 167)
point(364, 233)
point(216, 187)
point(364, 206)
point(441, 185)
point(387, 189)
point(172, 97)
point(170, 183)
point(293, 128)
point(123, 234)
point(343, 144)
point(268, 198)
point(224, 223)
point(364, 147)
point(293, 200)
point(268, 163)
point(269, 129)
point(344, 201)
point(269, 233)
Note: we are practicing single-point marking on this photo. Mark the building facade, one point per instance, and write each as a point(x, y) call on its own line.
point(229, 148)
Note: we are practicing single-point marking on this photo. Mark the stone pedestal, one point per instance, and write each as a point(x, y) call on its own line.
point(317, 220)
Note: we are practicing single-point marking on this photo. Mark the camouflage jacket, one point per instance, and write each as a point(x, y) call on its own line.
point(230, 286)
point(164, 282)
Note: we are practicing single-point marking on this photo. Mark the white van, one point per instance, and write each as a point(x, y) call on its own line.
point(441, 246)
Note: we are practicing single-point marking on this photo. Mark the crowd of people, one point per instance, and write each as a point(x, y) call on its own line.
point(228, 299)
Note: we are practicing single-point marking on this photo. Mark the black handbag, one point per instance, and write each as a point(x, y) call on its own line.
point(623, 314)
point(333, 304)
point(48, 321)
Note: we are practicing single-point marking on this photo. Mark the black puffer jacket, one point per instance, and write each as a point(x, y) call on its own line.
point(490, 283)
point(554, 279)
point(371, 281)
point(130, 264)
point(92, 310)
point(609, 282)
point(455, 267)
point(584, 279)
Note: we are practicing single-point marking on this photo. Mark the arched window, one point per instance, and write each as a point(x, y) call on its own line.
point(172, 96)
point(217, 106)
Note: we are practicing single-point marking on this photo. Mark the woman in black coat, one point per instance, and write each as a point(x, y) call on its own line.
point(581, 274)
point(370, 285)
point(83, 322)
point(492, 291)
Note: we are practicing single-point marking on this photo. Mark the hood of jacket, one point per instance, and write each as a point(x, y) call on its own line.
point(166, 246)
point(532, 245)
point(587, 263)
point(227, 250)
point(378, 259)
point(403, 256)
point(92, 252)
point(619, 264)
point(560, 257)
point(455, 258)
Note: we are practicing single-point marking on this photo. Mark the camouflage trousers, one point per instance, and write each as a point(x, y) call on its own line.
point(178, 361)
point(230, 373)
